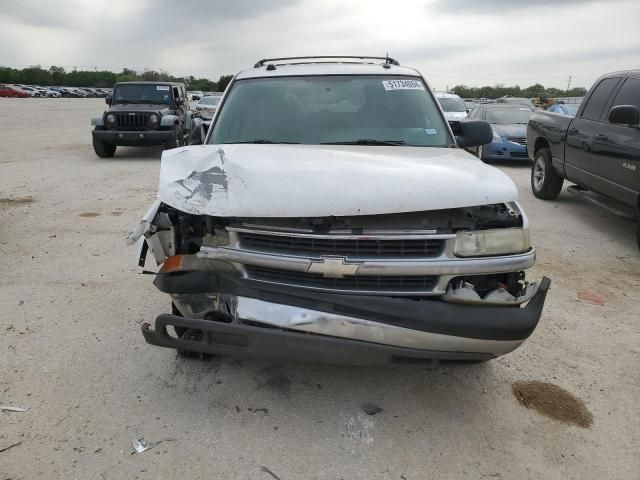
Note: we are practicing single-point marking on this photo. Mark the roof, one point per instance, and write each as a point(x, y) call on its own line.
point(503, 105)
point(328, 68)
point(144, 82)
point(446, 95)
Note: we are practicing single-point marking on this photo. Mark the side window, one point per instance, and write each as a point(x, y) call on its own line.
point(629, 94)
point(598, 99)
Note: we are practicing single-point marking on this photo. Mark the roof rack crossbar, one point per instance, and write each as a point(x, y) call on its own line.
point(386, 59)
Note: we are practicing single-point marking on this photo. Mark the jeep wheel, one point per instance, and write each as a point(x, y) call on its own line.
point(102, 149)
point(176, 141)
point(545, 182)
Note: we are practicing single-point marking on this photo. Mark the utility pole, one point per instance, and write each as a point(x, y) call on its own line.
point(569, 84)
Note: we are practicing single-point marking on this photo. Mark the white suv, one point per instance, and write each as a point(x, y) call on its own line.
point(452, 105)
point(331, 215)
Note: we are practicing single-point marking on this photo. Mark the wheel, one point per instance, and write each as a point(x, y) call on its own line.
point(545, 182)
point(102, 149)
point(176, 141)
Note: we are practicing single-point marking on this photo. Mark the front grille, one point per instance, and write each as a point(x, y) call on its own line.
point(317, 247)
point(373, 283)
point(132, 121)
point(519, 140)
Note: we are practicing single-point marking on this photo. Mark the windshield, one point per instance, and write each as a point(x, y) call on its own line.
point(508, 115)
point(209, 101)
point(452, 104)
point(341, 109)
point(142, 94)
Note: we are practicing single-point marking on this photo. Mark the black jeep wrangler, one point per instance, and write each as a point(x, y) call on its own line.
point(142, 114)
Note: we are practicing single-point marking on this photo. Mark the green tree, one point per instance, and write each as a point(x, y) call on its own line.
point(223, 82)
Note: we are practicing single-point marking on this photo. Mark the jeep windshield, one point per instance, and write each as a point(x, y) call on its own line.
point(340, 110)
point(142, 93)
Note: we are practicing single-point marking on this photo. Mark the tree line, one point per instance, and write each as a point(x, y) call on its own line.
point(59, 77)
point(499, 90)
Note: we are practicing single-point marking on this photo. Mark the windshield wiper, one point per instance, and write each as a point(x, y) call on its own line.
point(263, 141)
point(368, 141)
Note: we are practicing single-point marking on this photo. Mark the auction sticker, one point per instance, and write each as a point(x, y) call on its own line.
point(162, 87)
point(402, 85)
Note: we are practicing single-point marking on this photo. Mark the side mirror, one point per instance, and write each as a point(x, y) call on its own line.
point(625, 115)
point(107, 99)
point(472, 133)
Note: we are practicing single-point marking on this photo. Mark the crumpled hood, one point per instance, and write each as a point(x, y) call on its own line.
point(325, 180)
point(510, 130)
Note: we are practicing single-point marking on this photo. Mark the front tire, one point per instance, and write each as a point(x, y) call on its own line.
point(545, 182)
point(176, 141)
point(102, 149)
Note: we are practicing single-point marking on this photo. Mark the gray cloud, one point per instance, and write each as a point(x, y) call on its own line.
point(36, 13)
point(491, 7)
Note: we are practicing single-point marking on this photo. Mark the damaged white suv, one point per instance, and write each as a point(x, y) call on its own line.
point(332, 215)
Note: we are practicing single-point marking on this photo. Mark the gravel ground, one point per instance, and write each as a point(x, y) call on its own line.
point(72, 349)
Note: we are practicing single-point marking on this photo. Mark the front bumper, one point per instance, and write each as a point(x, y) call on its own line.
point(134, 138)
point(277, 322)
point(505, 150)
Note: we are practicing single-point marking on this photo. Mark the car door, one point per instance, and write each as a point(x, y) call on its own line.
point(583, 129)
point(615, 162)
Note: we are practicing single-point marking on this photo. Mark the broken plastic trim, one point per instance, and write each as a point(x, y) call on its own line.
point(465, 293)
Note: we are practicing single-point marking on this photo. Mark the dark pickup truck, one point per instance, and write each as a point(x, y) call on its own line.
point(598, 149)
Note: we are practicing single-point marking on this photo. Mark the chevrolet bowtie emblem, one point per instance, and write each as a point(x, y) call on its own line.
point(333, 267)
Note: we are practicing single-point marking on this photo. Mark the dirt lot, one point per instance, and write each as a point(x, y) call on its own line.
point(72, 350)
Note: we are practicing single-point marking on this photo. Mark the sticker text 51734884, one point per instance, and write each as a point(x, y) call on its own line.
point(403, 85)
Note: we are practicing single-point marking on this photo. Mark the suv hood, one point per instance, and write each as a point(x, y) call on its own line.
point(139, 107)
point(326, 180)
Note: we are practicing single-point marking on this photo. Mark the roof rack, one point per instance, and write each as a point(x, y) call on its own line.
point(387, 59)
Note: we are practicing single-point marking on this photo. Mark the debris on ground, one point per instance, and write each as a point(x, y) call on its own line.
point(10, 408)
point(141, 445)
point(371, 409)
point(554, 402)
point(591, 297)
point(4, 449)
point(266, 470)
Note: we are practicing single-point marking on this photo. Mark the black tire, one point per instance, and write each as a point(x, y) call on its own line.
point(102, 149)
point(188, 334)
point(545, 182)
point(176, 141)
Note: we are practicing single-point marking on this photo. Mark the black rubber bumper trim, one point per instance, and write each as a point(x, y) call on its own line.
point(132, 138)
point(250, 341)
point(429, 315)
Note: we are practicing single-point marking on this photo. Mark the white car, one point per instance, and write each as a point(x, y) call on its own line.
point(333, 215)
point(452, 105)
point(31, 91)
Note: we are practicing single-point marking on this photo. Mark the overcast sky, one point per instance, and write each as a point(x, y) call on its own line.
point(476, 42)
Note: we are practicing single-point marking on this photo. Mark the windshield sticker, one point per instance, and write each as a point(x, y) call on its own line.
point(402, 85)
point(162, 87)
point(431, 131)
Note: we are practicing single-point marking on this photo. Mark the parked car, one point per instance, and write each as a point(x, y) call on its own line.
point(31, 91)
point(598, 149)
point(564, 109)
point(52, 93)
point(195, 96)
point(10, 91)
point(453, 106)
point(332, 215)
point(13, 91)
point(142, 114)
point(509, 125)
point(470, 105)
point(520, 101)
point(207, 106)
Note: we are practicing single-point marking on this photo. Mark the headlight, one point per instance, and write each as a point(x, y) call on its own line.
point(501, 241)
point(496, 137)
point(111, 118)
point(153, 118)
